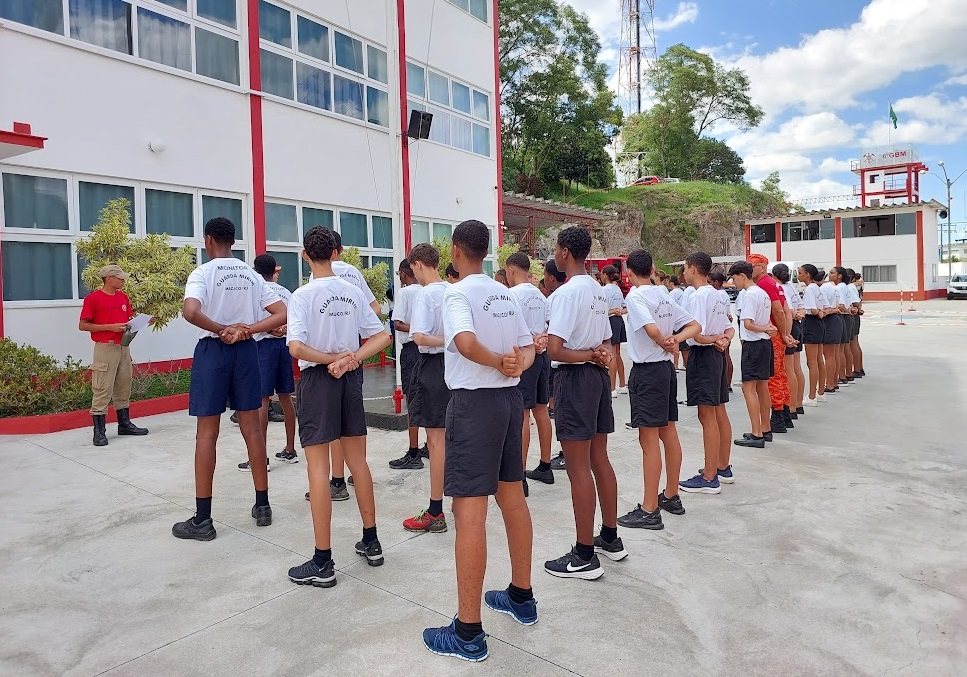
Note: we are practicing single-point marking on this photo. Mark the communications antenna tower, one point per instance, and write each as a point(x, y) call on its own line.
point(639, 49)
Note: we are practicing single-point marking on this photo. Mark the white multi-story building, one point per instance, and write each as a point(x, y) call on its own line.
point(280, 115)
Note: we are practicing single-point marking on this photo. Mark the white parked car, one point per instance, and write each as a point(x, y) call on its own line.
point(957, 286)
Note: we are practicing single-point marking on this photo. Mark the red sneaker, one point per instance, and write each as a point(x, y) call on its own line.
point(426, 522)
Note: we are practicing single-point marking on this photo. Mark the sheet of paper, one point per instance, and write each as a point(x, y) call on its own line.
point(138, 322)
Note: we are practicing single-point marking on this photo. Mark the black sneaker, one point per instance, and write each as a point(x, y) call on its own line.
point(310, 574)
point(778, 422)
point(628, 426)
point(372, 552)
point(750, 440)
point(672, 505)
point(288, 456)
point(205, 531)
point(234, 417)
point(350, 481)
point(424, 452)
point(340, 493)
point(545, 476)
point(800, 411)
point(615, 550)
point(527, 490)
point(767, 436)
point(639, 518)
point(557, 463)
point(262, 515)
point(406, 462)
point(787, 419)
point(572, 566)
point(550, 412)
point(245, 467)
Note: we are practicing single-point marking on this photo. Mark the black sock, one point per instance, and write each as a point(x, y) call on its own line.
point(261, 497)
point(519, 595)
point(585, 552)
point(369, 534)
point(338, 482)
point(321, 557)
point(543, 467)
point(467, 631)
point(608, 534)
point(203, 509)
point(436, 507)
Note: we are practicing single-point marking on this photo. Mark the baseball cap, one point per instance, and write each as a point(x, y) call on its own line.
point(113, 271)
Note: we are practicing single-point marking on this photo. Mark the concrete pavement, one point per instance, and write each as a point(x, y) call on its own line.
point(839, 550)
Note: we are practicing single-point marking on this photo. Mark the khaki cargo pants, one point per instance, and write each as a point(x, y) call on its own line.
point(110, 377)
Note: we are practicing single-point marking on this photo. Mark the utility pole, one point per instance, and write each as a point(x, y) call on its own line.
point(950, 216)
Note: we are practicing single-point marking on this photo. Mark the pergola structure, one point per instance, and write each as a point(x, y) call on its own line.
point(524, 214)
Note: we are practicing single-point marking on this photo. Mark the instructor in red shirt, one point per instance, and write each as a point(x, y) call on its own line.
point(106, 313)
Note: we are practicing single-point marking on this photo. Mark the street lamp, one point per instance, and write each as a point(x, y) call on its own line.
point(950, 241)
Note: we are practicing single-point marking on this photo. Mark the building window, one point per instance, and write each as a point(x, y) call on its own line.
point(37, 271)
point(906, 223)
point(275, 24)
point(874, 225)
point(47, 15)
point(879, 274)
point(349, 53)
point(276, 74)
point(442, 231)
point(376, 60)
point(847, 227)
point(382, 232)
point(352, 228)
point(377, 107)
point(220, 11)
point(313, 39)
point(313, 85)
point(280, 223)
point(762, 233)
point(164, 40)
point(475, 8)
point(792, 231)
point(415, 80)
point(420, 231)
point(315, 217)
point(440, 127)
point(34, 202)
point(216, 56)
point(481, 106)
point(347, 97)
point(439, 88)
point(481, 140)
point(454, 128)
point(289, 275)
point(105, 23)
point(827, 229)
point(461, 98)
point(225, 207)
point(93, 197)
point(169, 212)
point(461, 133)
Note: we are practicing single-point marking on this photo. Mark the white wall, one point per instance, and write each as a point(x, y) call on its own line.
point(900, 250)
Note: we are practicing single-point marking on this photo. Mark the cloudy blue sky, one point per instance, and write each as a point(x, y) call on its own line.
point(825, 72)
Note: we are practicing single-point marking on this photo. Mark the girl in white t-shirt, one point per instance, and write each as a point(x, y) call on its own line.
point(616, 316)
point(813, 334)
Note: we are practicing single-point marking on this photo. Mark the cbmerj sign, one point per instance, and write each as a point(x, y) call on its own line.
point(889, 156)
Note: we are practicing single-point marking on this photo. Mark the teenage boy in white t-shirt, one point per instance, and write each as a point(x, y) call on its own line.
point(653, 317)
point(326, 319)
point(535, 382)
point(578, 338)
point(705, 376)
point(429, 393)
point(488, 346)
point(755, 331)
point(225, 299)
point(406, 298)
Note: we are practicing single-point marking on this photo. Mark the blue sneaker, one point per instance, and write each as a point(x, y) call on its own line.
point(500, 601)
point(700, 485)
point(725, 476)
point(446, 642)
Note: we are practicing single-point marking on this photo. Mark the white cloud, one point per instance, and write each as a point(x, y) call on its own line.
point(930, 119)
point(802, 134)
point(685, 13)
point(832, 165)
point(761, 164)
point(960, 80)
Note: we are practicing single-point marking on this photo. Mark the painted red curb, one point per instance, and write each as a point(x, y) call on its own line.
point(70, 420)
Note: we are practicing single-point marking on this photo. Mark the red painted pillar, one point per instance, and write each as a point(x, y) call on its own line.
point(496, 113)
point(838, 230)
point(404, 123)
point(778, 240)
point(862, 187)
point(920, 286)
point(255, 112)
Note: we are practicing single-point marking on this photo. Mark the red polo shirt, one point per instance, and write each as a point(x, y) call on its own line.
point(102, 308)
point(773, 289)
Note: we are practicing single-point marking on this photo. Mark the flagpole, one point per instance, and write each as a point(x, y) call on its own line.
point(889, 127)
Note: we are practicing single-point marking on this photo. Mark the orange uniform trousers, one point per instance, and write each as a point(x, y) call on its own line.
point(778, 384)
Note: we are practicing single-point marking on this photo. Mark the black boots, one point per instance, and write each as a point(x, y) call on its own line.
point(787, 418)
point(100, 428)
point(778, 422)
point(125, 427)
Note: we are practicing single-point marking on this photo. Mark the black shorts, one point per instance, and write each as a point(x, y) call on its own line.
point(684, 347)
point(275, 367)
point(582, 402)
point(835, 330)
point(757, 360)
point(223, 373)
point(858, 322)
point(796, 334)
point(429, 395)
point(533, 386)
point(653, 387)
point(329, 408)
point(706, 379)
point(618, 333)
point(813, 331)
point(853, 324)
point(483, 441)
point(551, 377)
point(409, 354)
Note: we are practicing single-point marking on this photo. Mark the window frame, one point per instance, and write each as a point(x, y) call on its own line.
point(469, 12)
point(453, 115)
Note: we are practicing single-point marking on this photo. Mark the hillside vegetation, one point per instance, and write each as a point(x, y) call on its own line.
point(673, 219)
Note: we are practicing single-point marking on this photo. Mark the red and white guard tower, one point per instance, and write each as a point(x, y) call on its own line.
point(888, 174)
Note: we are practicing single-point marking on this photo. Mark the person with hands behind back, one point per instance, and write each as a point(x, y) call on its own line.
point(487, 348)
point(327, 317)
point(225, 298)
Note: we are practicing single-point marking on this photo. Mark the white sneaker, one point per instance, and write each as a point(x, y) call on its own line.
point(614, 394)
point(623, 390)
point(810, 402)
point(822, 398)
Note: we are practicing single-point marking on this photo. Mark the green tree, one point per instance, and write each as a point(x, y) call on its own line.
point(377, 277)
point(158, 272)
point(770, 186)
point(715, 161)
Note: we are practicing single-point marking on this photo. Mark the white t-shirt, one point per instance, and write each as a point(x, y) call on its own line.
point(534, 306)
point(827, 293)
point(757, 307)
point(428, 314)
point(579, 314)
point(842, 293)
point(403, 306)
point(484, 307)
point(792, 296)
point(852, 295)
point(738, 302)
point(675, 293)
point(686, 301)
point(812, 298)
point(615, 298)
point(706, 306)
point(329, 315)
point(352, 275)
point(230, 292)
point(647, 304)
point(284, 294)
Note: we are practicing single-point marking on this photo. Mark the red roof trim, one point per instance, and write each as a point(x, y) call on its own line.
point(19, 139)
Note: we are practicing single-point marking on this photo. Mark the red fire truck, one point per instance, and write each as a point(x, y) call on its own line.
point(594, 267)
